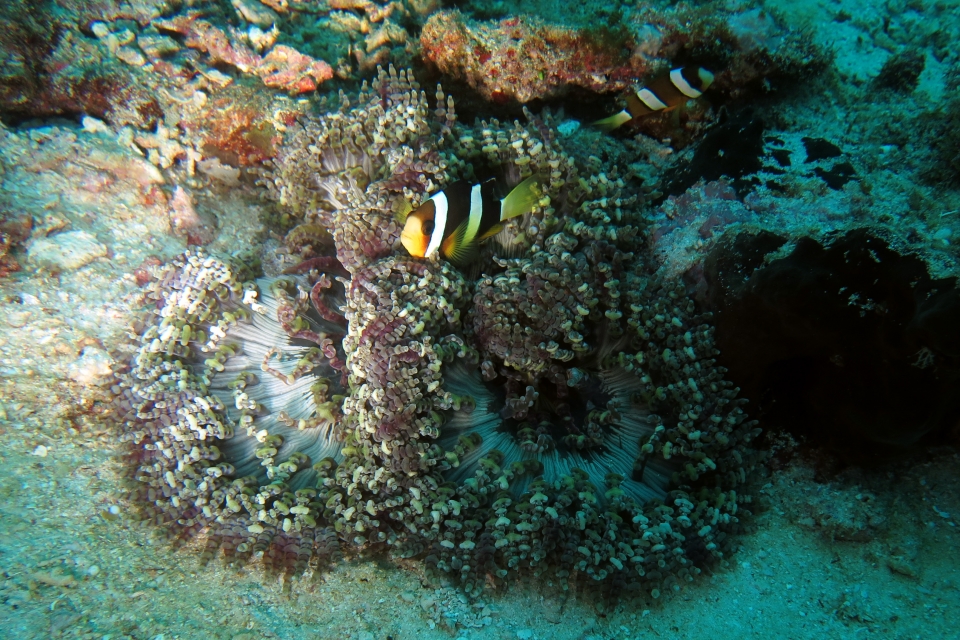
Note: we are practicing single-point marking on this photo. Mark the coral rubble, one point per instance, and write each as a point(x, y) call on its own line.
point(560, 411)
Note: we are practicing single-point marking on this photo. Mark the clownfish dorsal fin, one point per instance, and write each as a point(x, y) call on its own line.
point(606, 125)
point(521, 200)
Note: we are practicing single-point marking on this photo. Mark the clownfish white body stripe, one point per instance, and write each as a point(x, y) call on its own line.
point(665, 93)
point(456, 220)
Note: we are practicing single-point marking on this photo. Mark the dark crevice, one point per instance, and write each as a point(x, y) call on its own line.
point(849, 345)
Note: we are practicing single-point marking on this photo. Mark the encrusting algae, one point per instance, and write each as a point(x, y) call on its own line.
point(550, 408)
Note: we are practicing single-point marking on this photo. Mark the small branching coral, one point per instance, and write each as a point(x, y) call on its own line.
point(554, 409)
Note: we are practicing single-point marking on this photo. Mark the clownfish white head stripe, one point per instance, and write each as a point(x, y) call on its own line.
point(440, 208)
point(456, 220)
point(665, 93)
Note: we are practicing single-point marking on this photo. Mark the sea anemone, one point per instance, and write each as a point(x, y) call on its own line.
point(552, 408)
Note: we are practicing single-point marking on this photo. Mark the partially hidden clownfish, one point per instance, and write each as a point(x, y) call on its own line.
point(666, 93)
point(457, 219)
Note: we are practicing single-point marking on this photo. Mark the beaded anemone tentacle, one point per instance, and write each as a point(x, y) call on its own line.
point(322, 269)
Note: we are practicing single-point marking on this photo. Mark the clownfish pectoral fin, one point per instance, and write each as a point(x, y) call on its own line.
point(457, 248)
point(402, 209)
point(676, 113)
point(492, 231)
point(521, 200)
point(606, 125)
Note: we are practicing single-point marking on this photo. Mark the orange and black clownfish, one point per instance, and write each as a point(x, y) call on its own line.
point(666, 93)
point(457, 219)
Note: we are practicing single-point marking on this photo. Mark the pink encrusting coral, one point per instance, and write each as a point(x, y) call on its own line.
point(286, 68)
point(282, 67)
point(203, 36)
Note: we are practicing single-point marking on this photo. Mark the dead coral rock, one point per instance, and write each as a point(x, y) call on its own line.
point(286, 68)
point(187, 222)
point(423, 8)
point(131, 56)
point(902, 558)
point(135, 170)
point(48, 68)
point(14, 229)
point(220, 172)
point(386, 35)
point(901, 72)
point(843, 513)
point(66, 251)
point(72, 155)
point(283, 6)
point(82, 12)
point(162, 147)
point(156, 45)
point(7, 264)
point(373, 11)
point(255, 13)
point(92, 368)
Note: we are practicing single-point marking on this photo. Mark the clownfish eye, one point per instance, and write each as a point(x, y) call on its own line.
point(427, 228)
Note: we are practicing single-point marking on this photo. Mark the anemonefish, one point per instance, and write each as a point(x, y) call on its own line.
point(457, 219)
point(663, 94)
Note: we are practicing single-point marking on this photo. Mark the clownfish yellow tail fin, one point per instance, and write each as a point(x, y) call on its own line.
point(607, 125)
point(522, 199)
